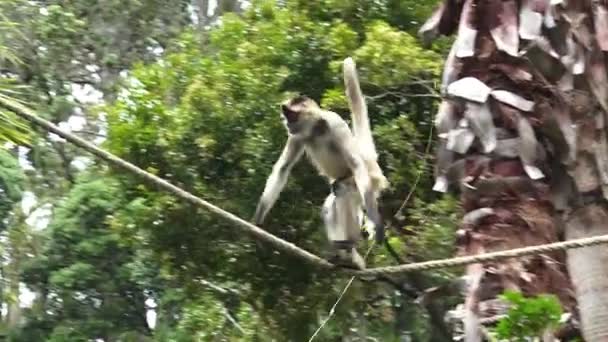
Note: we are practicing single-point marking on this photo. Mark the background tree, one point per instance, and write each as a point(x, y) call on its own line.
point(205, 118)
point(84, 297)
point(69, 55)
point(11, 130)
point(191, 95)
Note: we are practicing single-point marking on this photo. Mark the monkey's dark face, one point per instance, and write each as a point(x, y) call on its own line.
point(290, 115)
point(297, 112)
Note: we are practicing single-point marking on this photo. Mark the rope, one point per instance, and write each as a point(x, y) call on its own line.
point(487, 257)
point(279, 243)
point(257, 232)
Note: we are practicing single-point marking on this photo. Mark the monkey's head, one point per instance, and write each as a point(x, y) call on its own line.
point(299, 113)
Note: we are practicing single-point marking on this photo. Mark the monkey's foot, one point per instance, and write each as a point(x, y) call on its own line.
point(348, 259)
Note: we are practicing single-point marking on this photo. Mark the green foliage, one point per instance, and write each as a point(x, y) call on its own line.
point(204, 116)
point(9, 30)
point(431, 232)
point(11, 176)
point(11, 185)
point(393, 57)
point(86, 270)
point(528, 317)
point(11, 129)
point(206, 319)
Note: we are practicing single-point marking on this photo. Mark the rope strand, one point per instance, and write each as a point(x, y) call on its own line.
point(279, 243)
point(488, 257)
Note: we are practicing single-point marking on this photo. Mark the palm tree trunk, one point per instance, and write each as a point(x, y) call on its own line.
point(552, 54)
point(502, 127)
point(588, 270)
point(586, 214)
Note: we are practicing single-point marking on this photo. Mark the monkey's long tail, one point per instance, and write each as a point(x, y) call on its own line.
point(358, 108)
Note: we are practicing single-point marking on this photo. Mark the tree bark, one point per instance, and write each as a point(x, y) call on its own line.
point(497, 143)
point(588, 270)
point(553, 56)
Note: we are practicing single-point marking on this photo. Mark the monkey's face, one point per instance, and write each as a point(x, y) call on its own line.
point(297, 113)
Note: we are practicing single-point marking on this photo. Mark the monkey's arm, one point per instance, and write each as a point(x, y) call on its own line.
point(278, 178)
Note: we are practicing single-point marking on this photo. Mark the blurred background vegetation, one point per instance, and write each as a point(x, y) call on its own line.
point(189, 90)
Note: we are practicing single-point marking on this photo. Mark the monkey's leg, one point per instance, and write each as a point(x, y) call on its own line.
point(330, 218)
point(341, 222)
point(352, 211)
point(352, 214)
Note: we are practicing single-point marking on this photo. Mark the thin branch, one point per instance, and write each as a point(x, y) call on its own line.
point(402, 288)
point(435, 312)
point(95, 134)
point(400, 94)
point(391, 251)
point(65, 161)
point(233, 321)
point(219, 289)
point(398, 215)
point(333, 308)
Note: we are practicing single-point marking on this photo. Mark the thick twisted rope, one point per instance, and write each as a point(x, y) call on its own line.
point(277, 242)
point(257, 232)
point(488, 257)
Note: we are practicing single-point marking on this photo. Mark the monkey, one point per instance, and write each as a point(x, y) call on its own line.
point(346, 158)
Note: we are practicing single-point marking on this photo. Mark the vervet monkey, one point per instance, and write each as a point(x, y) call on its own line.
point(348, 160)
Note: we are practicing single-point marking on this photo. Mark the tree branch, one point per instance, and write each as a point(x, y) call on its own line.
point(65, 161)
point(435, 312)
